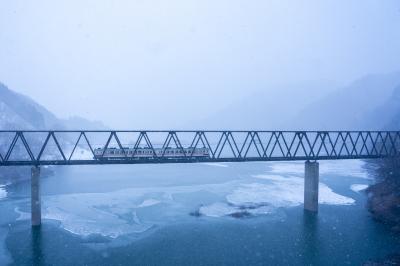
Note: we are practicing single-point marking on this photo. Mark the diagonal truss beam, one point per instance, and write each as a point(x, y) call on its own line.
point(234, 146)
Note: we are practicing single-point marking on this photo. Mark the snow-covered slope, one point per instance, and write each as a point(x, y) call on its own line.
point(362, 104)
point(367, 104)
point(19, 112)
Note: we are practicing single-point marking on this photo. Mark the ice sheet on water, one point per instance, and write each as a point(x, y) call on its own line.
point(22, 215)
point(358, 187)
point(216, 164)
point(220, 209)
point(149, 202)
point(106, 214)
point(261, 198)
point(95, 222)
point(128, 211)
point(354, 168)
point(3, 192)
point(136, 210)
point(287, 191)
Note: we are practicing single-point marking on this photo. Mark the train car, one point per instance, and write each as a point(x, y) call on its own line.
point(144, 152)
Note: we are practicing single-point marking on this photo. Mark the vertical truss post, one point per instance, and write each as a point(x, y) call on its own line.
point(36, 215)
point(311, 182)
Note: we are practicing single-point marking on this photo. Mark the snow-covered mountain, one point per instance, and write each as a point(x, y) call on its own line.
point(387, 115)
point(270, 108)
point(18, 111)
point(369, 103)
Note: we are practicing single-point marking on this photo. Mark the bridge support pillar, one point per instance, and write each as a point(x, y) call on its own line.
point(36, 215)
point(311, 181)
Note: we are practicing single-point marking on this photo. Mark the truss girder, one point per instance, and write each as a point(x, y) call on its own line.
point(228, 146)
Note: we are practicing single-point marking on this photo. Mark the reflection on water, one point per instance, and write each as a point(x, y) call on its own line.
point(310, 234)
point(37, 255)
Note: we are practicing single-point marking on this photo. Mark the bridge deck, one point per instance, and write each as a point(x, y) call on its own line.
point(78, 147)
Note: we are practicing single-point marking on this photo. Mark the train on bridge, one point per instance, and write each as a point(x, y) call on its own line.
point(308, 146)
point(146, 152)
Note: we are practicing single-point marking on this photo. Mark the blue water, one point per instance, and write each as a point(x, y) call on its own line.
point(146, 219)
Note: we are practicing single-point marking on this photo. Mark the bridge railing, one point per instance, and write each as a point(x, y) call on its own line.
point(78, 147)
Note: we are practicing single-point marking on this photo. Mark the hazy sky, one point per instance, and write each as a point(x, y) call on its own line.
point(143, 63)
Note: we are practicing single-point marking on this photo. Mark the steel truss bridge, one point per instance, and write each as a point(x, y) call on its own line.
point(77, 147)
point(36, 148)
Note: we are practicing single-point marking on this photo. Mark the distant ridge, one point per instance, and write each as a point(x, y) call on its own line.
point(369, 103)
point(20, 112)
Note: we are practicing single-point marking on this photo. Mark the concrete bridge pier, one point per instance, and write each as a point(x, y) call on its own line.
point(36, 215)
point(311, 181)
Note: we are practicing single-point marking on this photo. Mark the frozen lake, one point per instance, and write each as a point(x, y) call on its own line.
point(193, 214)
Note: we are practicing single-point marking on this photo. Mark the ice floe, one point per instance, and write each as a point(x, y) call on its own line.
point(121, 212)
point(3, 192)
point(22, 215)
point(289, 189)
point(358, 187)
point(137, 210)
point(106, 214)
point(216, 164)
point(149, 202)
point(354, 168)
point(262, 198)
point(97, 222)
point(220, 209)
point(217, 209)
